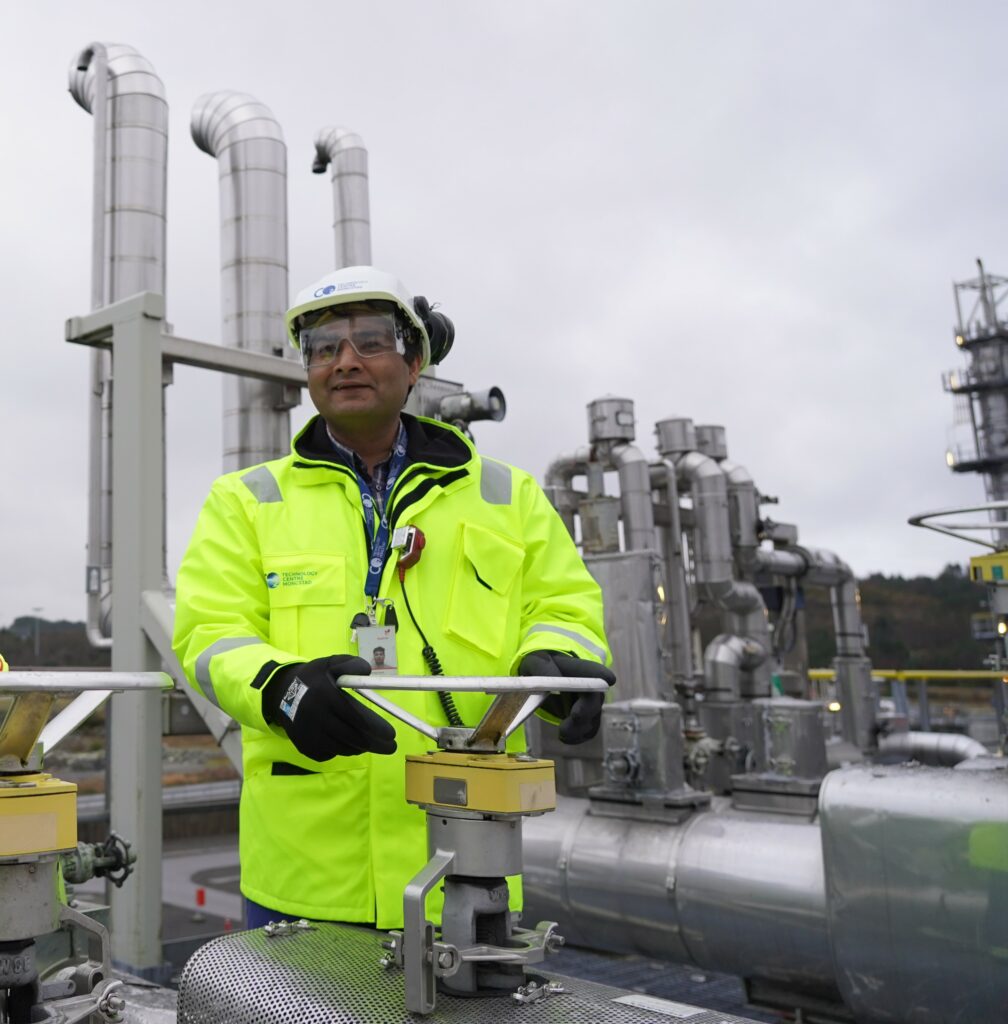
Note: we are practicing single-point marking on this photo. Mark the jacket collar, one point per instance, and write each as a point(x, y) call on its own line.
point(427, 441)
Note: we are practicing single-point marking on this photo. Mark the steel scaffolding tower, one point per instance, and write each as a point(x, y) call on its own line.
point(982, 386)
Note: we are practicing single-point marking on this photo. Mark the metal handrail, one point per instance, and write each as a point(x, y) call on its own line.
point(909, 674)
point(951, 528)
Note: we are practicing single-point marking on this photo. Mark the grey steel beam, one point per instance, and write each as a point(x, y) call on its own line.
point(96, 330)
point(138, 510)
point(156, 616)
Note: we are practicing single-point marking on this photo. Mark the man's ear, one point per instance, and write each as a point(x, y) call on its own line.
point(414, 369)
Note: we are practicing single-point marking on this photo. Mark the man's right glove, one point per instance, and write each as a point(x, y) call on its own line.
point(322, 720)
point(580, 713)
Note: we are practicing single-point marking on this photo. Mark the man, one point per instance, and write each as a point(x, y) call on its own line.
point(379, 527)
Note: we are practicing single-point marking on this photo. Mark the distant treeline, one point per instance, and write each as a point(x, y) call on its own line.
point(912, 623)
point(922, 622)
point(60, 644)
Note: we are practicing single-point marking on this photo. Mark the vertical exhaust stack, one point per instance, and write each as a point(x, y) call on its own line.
point(120, 89)
point(252, 158)
point(344, 151)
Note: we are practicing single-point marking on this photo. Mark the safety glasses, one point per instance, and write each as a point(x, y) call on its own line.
point(369, 334)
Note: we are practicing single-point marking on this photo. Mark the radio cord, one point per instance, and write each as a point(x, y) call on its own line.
point(431, 658)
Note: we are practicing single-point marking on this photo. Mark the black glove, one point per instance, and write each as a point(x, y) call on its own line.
point(581, 713)
point(322, 720)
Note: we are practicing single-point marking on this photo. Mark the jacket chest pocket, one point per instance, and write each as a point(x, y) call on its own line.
point(482, 606)
point(307, 598)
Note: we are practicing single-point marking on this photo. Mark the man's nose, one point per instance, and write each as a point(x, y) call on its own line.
point(346, 355)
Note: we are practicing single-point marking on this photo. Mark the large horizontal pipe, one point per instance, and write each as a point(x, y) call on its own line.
point(892, 897)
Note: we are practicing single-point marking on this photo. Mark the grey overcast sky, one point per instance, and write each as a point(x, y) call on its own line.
point(749, 213)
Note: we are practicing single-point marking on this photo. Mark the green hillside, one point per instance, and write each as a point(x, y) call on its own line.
point(912, 623)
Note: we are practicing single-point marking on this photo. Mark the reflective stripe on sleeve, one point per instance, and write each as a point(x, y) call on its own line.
point(261, 482)
point(587, 644)
point(495, 482)
point(228, 643)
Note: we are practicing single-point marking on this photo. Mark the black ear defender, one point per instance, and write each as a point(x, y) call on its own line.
point(440, 330)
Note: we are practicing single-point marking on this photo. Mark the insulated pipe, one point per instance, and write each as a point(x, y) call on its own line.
point(743, 604)
point(743, 512)
point(562, 470)
point(712, 537)
point(559, 475)
point(724, 890)
point(859, 906)
point(344, 151)
point(933, 748)
point(121, 90)
point(726, 658)
point(678, 603)
point(635, 497)
point(246, 140)
point(853, 668)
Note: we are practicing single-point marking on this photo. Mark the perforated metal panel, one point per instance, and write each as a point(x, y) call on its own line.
point(332, 976)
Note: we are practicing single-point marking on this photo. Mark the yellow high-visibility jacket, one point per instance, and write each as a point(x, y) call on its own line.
point(275, 573)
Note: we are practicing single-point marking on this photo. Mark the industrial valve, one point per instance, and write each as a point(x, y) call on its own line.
point(112, 859)
point(38, 840)
point(475, 795)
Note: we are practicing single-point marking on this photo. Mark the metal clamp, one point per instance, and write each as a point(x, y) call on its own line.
point(275, 928)
point(535, 993)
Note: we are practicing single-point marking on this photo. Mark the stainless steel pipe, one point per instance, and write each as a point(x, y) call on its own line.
point(120, 89)
point(245, 138)
point(893, 897)
point(344, 151)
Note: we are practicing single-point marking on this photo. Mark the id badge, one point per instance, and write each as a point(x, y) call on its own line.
point(377, 646)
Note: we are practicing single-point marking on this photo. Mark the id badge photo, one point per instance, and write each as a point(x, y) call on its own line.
point(377, 646)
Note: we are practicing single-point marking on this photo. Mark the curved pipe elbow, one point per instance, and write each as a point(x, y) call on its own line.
point(732, 596)
point(635, 497)
point(132, 72)
point(695, 466)
point(712, 530)
point(943, 750)
point(726, 658)
point(825, 568)
point(224, 118)
point(562, 470)
point(330, 143)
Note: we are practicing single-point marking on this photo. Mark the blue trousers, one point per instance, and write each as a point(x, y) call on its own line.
point(257, 915)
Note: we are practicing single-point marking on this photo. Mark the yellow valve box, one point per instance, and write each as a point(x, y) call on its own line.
point(38, 814)
point(493, 783)
point(990, 568)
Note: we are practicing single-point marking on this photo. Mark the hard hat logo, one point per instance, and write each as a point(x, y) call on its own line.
point(327, 290)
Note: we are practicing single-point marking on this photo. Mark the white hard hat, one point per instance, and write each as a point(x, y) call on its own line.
point(356, 284)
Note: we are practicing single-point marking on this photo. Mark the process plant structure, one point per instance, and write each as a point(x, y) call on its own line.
point(844, 867)
point(981, 387)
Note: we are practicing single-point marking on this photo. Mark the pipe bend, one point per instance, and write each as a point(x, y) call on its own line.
point(696, 467)
point(736, 474)
point(825, 568)
point(562, 470)
point(732, 596)
point(221, 119)
point(625, 455)
point(132, 73)
point(330, 142)
point(939, 749)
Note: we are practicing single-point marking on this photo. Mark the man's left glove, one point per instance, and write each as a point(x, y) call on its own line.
point(580, 713)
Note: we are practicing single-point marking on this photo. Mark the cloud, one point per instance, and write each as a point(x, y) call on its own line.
point(744, 214)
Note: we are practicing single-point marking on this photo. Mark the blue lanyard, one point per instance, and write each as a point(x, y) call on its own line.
point(379, 537)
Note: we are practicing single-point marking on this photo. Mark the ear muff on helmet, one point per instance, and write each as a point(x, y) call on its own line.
point(440, 330)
